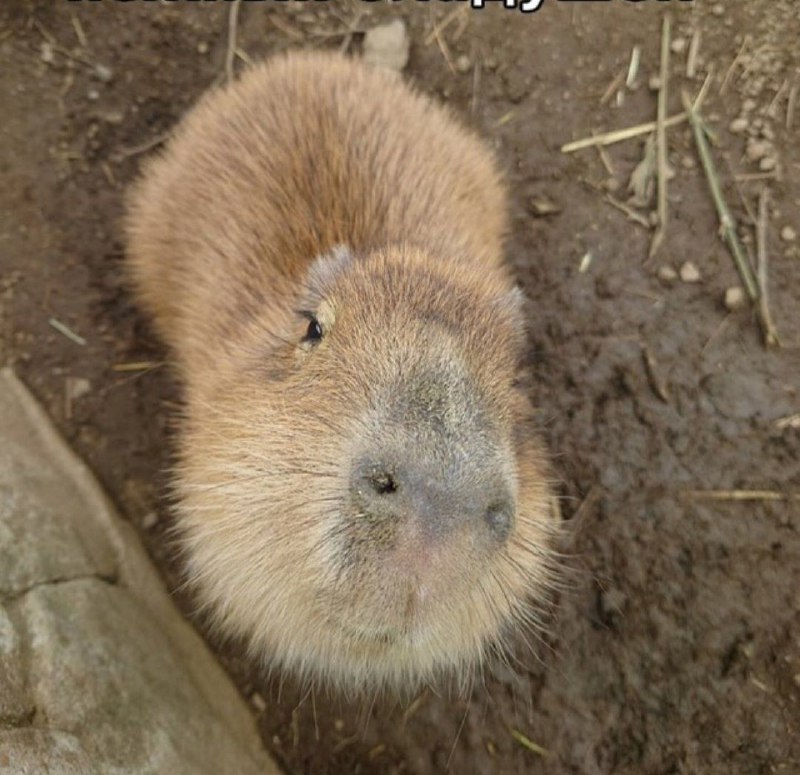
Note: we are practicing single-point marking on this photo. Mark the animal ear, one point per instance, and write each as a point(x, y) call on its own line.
point(326, 268)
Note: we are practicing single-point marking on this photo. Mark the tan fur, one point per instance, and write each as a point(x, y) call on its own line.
point(317, 184)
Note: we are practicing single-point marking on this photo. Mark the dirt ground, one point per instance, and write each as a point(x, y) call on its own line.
point(676, 648)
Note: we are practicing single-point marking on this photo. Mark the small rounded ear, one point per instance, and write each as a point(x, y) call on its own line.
point(325, 268)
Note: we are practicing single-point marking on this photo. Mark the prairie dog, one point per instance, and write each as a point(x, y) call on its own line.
point(360, 494)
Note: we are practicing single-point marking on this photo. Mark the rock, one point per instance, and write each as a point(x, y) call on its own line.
point(757, 149)
point(768, 163)
point(667, 273)
point(739, 125)
point(678, 45)
point(788, 234)
point(104, 73)
point(734, 298)
point(463, 64)
point(92, 649)
point(542, 206)
point(46, 52)
point(690, 273)
point(387, 45)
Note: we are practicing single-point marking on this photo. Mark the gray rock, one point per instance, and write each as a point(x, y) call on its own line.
point(98, 670)
point(387, 45)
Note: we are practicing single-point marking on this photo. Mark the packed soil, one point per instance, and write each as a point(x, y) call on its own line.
point(676, 643)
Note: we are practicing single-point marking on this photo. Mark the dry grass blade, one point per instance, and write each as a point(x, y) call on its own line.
point(230, 53)
point(618, 135)
point(727, 223)
point(526, 742)
point(67, 331)
point(742, 495)
point(691, 58)
point(441, 25)
point(661, 139)
point(135, 150)
point(632, 214)
point(770, 333)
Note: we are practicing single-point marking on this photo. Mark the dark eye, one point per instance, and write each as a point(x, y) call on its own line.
point(314, 331)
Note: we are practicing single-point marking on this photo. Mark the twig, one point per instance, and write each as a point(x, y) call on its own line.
point(691, 57)
point(744, 177)
point(656, 383)
point(778, 94)
point(352, 28)
point(137, 366)
point(135, 150)
point(661, 140)
point(288, 29)
point(79, 33)
point(441, 25)
point(230, 53)
point(742, 495)
point(66, 331)
point(605, 159)
point(727, 224)
point(735, 62)
point(790, 106)
point(618, 135)
point(616, 82)
point(629, 211)
point(526, 742)
point(476, 82)
point(633, 67)
point(443, 47)
point(770, 333)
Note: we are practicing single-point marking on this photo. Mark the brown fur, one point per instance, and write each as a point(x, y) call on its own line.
point(316, 184)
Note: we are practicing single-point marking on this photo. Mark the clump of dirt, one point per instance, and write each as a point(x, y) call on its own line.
point(676, 646)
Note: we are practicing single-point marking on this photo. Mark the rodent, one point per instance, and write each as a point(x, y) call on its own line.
point(360, 494)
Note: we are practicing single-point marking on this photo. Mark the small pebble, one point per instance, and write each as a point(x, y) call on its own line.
point(654, 83)
point(463, 64)
point(688, 162)
point(788, 234)
point(717, 9)
point(678, 45)
point(767, 163)
point(748, 106)
point(738, 125)
point(202, 47)
point(734, 298)
point(690, 273)
point(104, 73)
point(93, 94)
point(667, 273)
point(757, 149)
point(47, 52)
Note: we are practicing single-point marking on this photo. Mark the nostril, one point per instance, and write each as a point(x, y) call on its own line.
point(381, 481)
point(500, 518)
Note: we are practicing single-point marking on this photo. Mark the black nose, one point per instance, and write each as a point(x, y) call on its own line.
point(440, 500)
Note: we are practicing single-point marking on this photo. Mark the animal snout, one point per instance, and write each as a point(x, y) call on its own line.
point(438, 501)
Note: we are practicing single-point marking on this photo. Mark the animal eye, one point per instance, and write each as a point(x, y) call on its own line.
point(314, 331)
